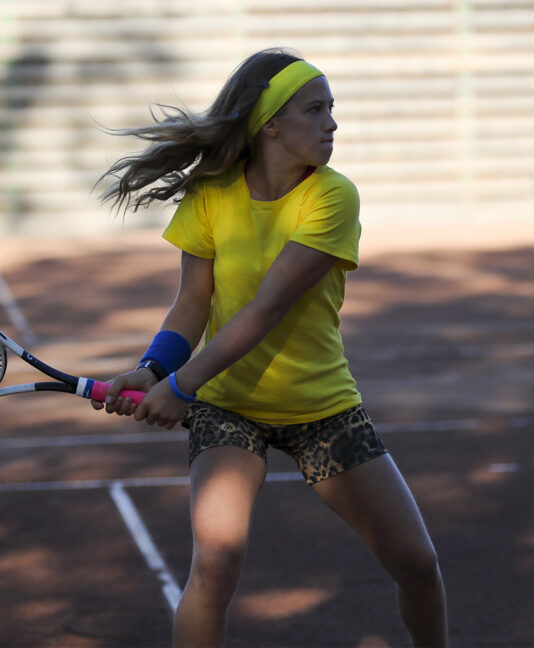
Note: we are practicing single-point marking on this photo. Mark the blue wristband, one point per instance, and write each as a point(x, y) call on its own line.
point(170, 349)
point(178, 392)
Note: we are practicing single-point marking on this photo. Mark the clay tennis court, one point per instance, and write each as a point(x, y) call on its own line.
point(442, 346)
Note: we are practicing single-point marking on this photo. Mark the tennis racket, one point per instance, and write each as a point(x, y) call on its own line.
point(84, 387)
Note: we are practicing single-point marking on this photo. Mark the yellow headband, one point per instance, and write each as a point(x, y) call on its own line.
point(281, 88)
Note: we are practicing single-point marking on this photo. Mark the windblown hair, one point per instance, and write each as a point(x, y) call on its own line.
point(185, 147)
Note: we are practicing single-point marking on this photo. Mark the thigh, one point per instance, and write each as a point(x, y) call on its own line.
point(225, 482)
point(376, 501)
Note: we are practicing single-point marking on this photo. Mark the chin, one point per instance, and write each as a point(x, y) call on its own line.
point(322, 160)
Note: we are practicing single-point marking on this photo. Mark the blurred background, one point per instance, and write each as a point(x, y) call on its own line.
point(434, 99)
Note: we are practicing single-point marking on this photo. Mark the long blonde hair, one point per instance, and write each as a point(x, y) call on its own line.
point(184, 146)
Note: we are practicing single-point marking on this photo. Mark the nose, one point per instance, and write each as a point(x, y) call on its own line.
point(331, 124)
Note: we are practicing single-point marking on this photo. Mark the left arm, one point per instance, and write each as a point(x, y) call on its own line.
point(295, 270)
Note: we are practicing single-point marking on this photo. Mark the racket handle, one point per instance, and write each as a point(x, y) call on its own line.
point(100, 390)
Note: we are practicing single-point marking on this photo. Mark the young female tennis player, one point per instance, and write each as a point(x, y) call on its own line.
point(267, 233)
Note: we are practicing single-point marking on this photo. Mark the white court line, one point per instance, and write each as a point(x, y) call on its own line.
point(145, 544)
point(505, 468)
point(118, 438)
point(15, 314)
point(447, 328)
point(449, 351)
point(131, 482)
point(125, 438)
point(428, 426)
point(91, 484)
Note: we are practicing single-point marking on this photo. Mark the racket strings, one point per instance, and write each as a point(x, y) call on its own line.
point(3, 362)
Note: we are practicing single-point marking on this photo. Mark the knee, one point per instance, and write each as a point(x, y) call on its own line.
point(216, 569)
point(416, 567)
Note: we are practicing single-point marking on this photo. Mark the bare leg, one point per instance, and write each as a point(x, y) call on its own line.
point(375, 500)
point(225, 482)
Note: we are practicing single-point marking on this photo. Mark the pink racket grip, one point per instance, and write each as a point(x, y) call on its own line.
point(100, 391)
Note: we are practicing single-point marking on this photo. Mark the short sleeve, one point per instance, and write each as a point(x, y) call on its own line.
point(190, 228)
point(332, 224)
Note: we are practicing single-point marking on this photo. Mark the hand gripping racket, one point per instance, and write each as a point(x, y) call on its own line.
point(84, 387)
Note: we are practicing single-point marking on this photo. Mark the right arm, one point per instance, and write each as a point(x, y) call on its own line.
point(188, 316)
point(190, 311)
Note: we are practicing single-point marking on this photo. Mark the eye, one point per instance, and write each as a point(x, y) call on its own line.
point(315, 109)
point(331, 107)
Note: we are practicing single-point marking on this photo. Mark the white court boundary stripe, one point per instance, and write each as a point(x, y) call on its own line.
point(132, 482)
point(454, 351)
point(504, 468)
point(145, 544)
point(120, 438)
point(428, 426)
point(14, 312)
point(125, 438)
point(453, 425)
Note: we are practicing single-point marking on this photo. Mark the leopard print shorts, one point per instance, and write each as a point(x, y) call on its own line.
point(321, 448)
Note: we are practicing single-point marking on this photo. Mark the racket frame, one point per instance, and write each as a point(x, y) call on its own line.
point(3, 361)
point(84, 387)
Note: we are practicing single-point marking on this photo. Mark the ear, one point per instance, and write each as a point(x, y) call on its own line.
point(271, 128)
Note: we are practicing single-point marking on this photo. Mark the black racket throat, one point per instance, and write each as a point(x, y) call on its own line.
point(67, 385)
point(72, 381)
point(55, 386)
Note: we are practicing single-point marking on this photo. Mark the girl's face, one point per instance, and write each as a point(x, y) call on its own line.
point(306, 125)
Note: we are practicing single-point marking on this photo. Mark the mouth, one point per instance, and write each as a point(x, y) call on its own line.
point(328, 141)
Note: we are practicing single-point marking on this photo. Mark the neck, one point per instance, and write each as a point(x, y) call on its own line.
point(271, 179)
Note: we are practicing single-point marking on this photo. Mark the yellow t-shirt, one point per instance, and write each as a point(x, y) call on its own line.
point(298, 373)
